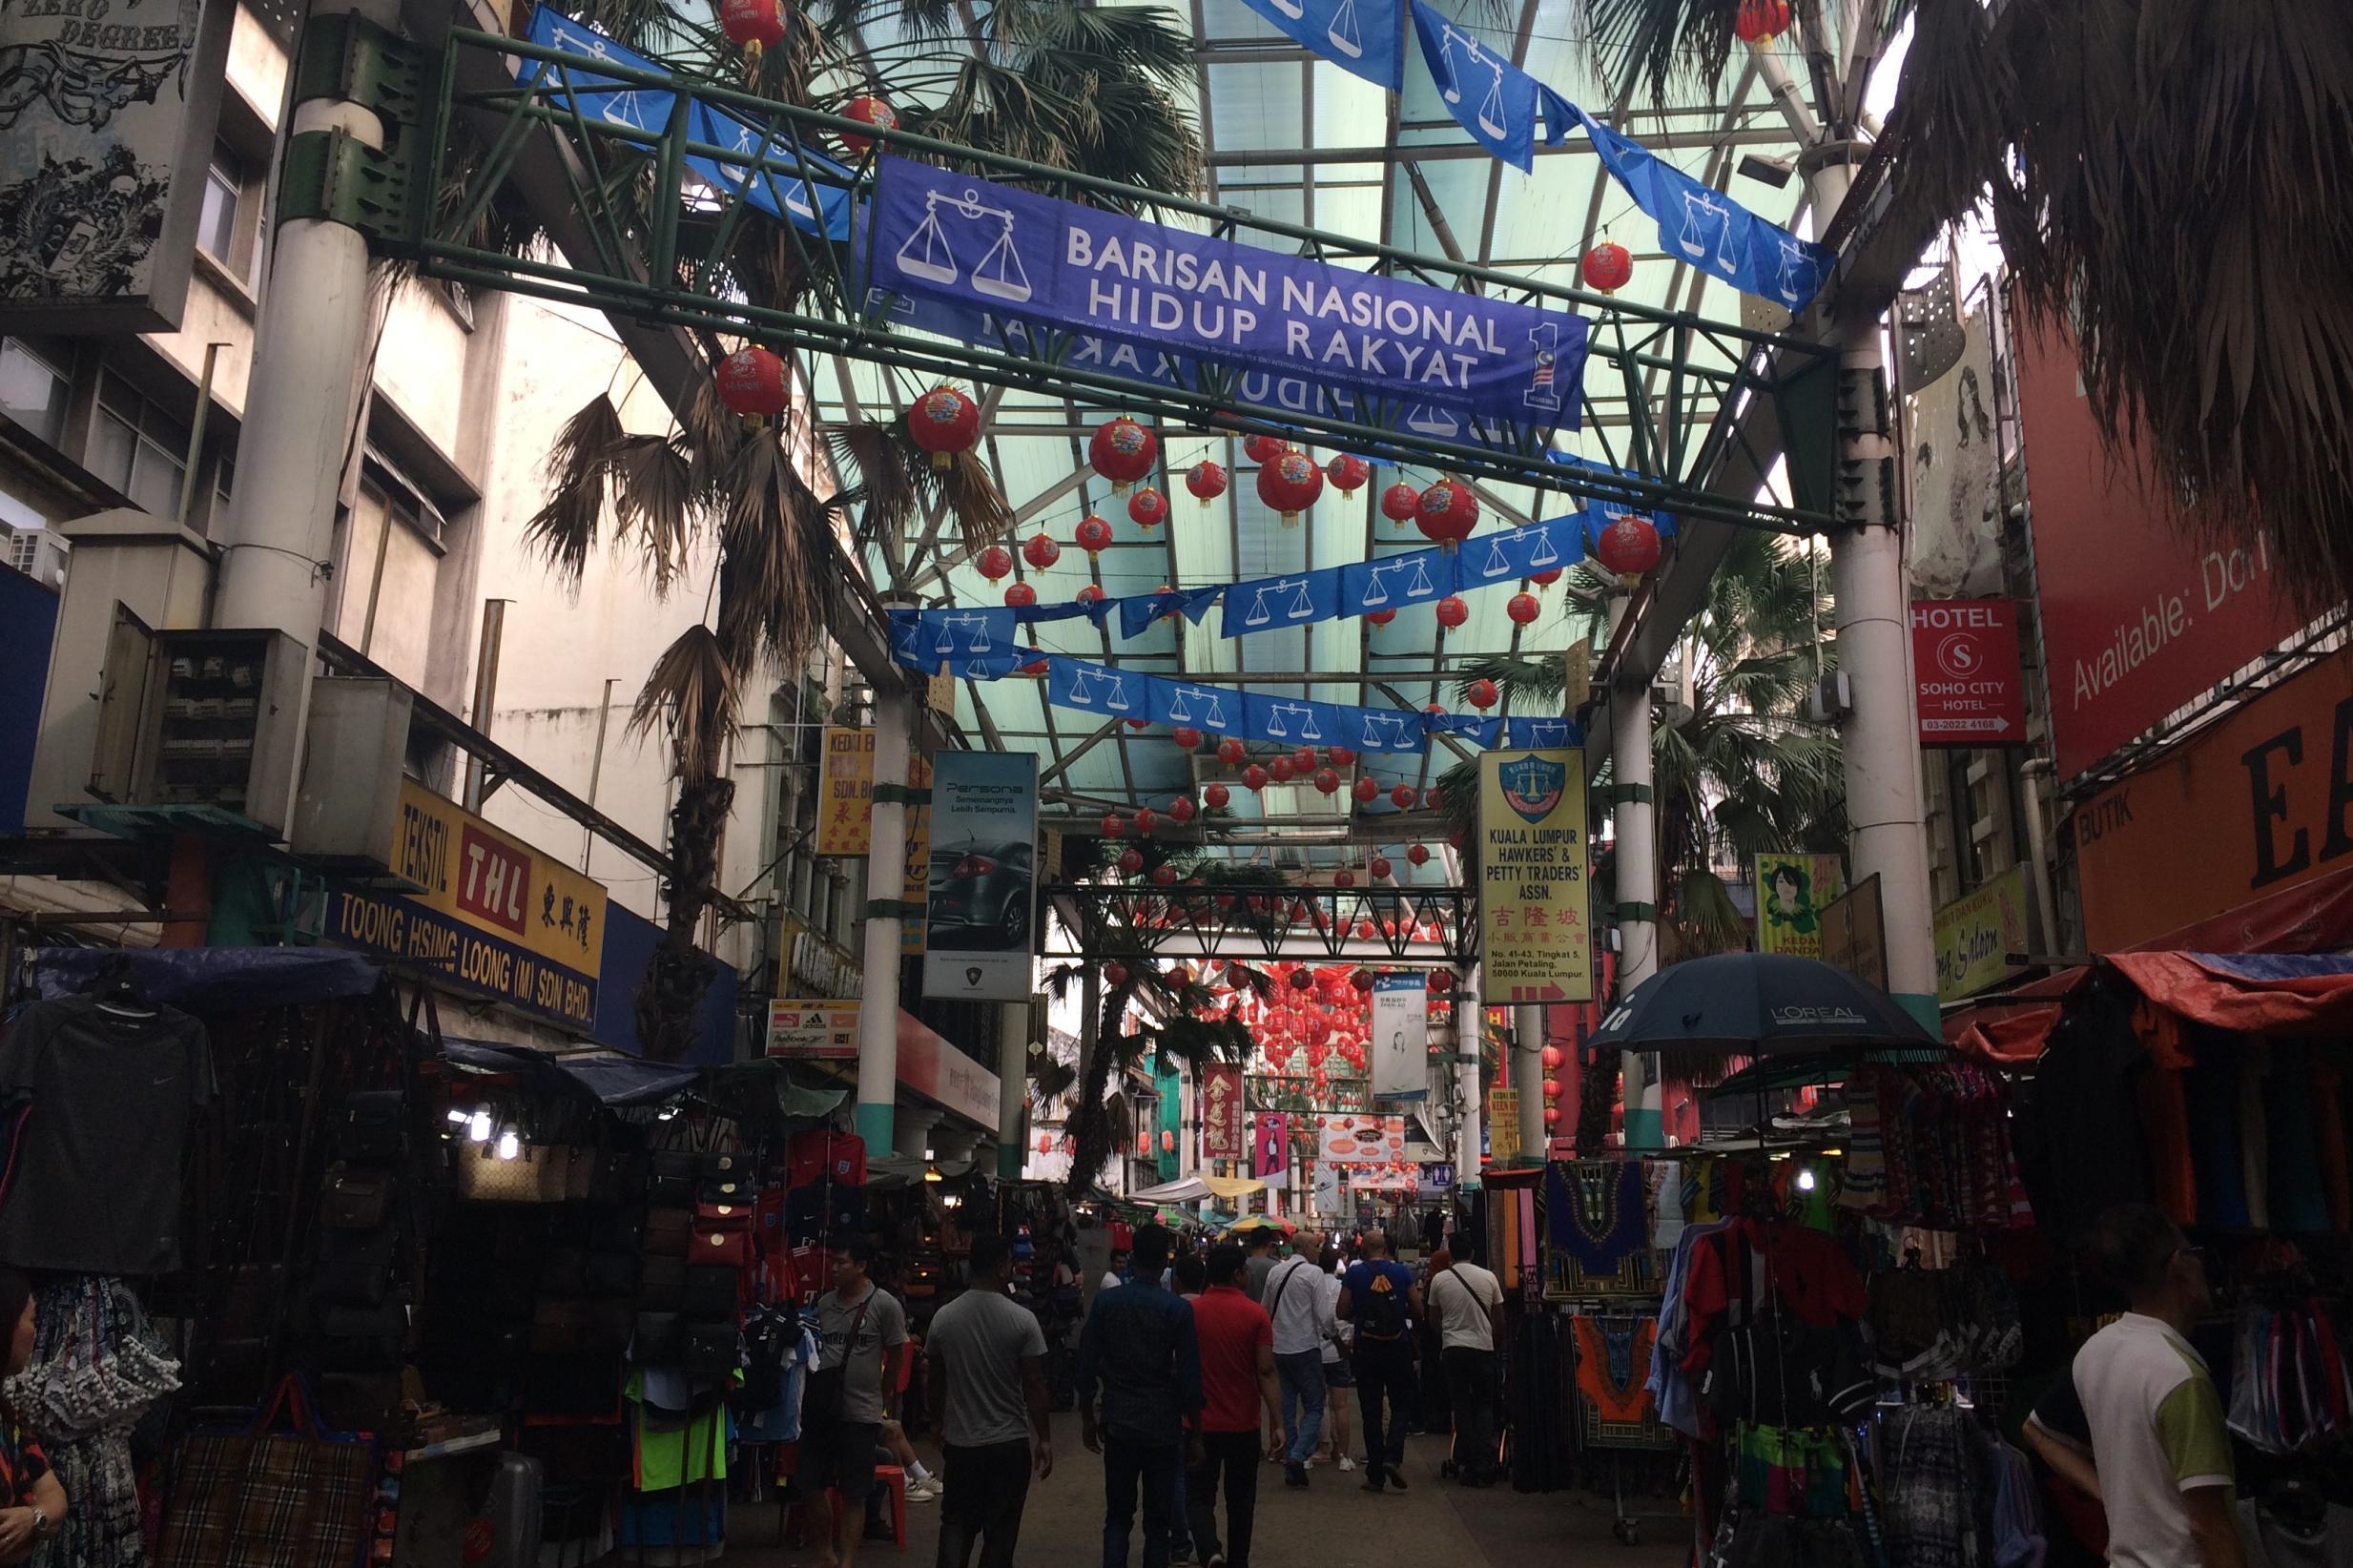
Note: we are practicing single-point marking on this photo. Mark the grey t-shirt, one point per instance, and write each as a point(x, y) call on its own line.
point(884, 1327)
point(980, 1339)
point(1261, 1264)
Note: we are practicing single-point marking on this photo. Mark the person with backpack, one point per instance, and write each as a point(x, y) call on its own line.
point(1380, 1299)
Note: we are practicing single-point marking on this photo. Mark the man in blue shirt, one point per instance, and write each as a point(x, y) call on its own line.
point(1381, 1298)
point(1139, 1352)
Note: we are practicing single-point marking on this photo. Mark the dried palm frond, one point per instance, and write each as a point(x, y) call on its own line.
point(691, 692)
point(970, 489)
point(579, 469)
point(774, 555)
point(654, 497)
point(885, 463)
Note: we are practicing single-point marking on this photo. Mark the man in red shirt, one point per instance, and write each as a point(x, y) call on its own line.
point(1237, 1381)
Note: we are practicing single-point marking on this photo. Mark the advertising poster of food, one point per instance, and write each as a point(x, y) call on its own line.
point(1359, 1140)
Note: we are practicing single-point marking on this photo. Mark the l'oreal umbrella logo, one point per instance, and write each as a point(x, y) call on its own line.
point(1533, 786)
point(1817, 1015)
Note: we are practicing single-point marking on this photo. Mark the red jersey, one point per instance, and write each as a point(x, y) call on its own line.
point(1230, 1327)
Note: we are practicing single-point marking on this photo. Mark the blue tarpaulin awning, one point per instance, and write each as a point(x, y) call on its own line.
point(206, 980)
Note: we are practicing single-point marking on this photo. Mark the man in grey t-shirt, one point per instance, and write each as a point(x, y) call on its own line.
point(861, 1335)
point(988, 1400)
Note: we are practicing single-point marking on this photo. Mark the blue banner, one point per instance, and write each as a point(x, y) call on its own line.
point(1359, 36)
point(991, 250)
point(1488, 96)
point(1702, 225)
point(814, 206)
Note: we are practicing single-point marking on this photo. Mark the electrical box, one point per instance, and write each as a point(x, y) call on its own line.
point(347, 807)
point(201, 718)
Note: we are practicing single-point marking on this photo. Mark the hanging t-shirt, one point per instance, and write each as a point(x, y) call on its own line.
point(95, 1188)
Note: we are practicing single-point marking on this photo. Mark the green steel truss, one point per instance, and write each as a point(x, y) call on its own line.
point(665, 246)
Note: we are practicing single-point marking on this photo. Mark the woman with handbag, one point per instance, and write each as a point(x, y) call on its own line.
point(33, 1505)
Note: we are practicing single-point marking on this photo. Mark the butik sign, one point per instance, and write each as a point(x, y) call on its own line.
point(2253, 805)
point(1966, 684)
point(2137, 619)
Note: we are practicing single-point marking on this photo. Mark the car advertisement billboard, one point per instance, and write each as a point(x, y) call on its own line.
point(977, 936)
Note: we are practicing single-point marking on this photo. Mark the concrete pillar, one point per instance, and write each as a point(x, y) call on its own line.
point(1634, 819)
point(911, 1131)
point(1528, 1077)
point(1012, 1089)
point(886, 869)
point(1468, 1031)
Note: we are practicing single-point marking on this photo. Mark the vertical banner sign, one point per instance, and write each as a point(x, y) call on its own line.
point(1534, 895)
point(1268, 1147)
point(1792, 890)
point(1502, 1124)
point(1168, 1117)
point(1327, 1189)
point(977, 936)
point(106, 135)
point(1221, 1112)
point(1400, 1042)
point(916, 881)
point(846, 793)
point(1967, 687)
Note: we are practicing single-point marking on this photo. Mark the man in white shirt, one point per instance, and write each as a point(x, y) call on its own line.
point(1294, 1297)
point(1467, 1303)
point(2157, 1443)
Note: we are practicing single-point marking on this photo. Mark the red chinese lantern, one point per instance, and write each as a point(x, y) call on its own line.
point(1481, 694)
point(752, 25)
point(1167, 1141)
point(1206, 479)
point(1447, 514)
point(1339, 756)
point(1040, 552)
point(1417, 855)
point(1344, 878)
point(1606, 267)
point(1186, 736)
point(1164, 875)
point(1381, 617)
point(1400, 501)
point(1229, 751)
point(945, 422)
point(1113, 826)
point(1551, 1057)
point(1304, 759)
point(1035, 668)
point(1091, 594)
point(1254, 777)
point(1361, 980)
point(1020, 596)
point(1045, 1143)
point(994, 562)
point(752, 385)
point(1522, 609)
point(1545, 579)
point(1402, 797)
point(1348, 472)
point(1282, 769)
point(1380, 867)
point(867, 110)
point(1181, 808)
point(1364, 929)
point(1441, 980)
point(1552, 1116)
point(1122, 452)
point(1552, 1088)
point(1327, 781)
point(1093, 536)
point(1433, 797)
point(1291, 484)
point(1368, 788)
point(1758, 21)
point(1131, 862)
point(1148, 509)
point(1629, 546)
point(1452, 611)
point(1217, 795)
point(1303, 980)
point(1262, 448)
point(1146, 820)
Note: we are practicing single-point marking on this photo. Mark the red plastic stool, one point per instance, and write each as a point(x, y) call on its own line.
point(895, 1478)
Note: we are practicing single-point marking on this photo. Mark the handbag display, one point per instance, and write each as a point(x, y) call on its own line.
point(611, 1274)
point(536, 1175)
point(564, 1272)
point(670, 1177)
point(714, 1352)
point(710, 1294)
point(658, 1339)
point(362, 1339)
point(733, 1247)
point(669, 1232)
point(727, 1216)
point(725, 1189)
point(580, 1328)
point(373, 1126)
point(717, 1165)
point(661, 1284)
point(355, 1266)
point(268, 1496)
point(354, 1200)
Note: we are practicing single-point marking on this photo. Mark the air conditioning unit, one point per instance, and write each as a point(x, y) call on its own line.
point(1830, 698)
point(39, 554)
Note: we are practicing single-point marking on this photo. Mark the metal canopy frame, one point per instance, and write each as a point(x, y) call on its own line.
point(669, 261)
point(1113, 920)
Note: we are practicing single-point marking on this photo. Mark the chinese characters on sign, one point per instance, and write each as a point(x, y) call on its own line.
point(1965, 672)
point(1502, 1125)
point(846, 793)
point(1221, 1112)
point(1532, 887)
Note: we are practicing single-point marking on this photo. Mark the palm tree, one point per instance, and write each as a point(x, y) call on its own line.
point(1742, 769)
point(1085, 90)
point(2166, 180)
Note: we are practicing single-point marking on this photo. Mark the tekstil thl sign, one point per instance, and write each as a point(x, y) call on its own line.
point(1964, 669)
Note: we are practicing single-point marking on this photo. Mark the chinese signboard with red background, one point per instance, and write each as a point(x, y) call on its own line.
point(1221, 1113)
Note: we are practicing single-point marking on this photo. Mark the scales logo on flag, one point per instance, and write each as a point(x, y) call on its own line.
point(1533, 786)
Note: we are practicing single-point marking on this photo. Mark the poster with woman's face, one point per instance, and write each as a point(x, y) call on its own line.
point(1791, 892)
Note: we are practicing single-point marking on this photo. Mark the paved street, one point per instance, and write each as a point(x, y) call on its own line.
point(1335, 1524)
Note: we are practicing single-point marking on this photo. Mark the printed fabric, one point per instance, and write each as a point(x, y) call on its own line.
point(1930, 1509)
point(1614, 1404)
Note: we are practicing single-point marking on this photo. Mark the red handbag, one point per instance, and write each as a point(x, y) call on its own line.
point(733, 1247)
point(733, 1216)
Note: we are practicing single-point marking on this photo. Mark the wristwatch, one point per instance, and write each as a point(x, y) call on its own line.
point(43, 1526)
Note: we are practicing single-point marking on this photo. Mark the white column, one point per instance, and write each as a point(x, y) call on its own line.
point(1634, 819)
point(1468, 1031)
point(1528, 1077)
point(1012, 1089)
point(886, 876)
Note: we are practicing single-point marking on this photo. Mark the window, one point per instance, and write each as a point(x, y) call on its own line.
point(33, 391)
point(138, 449)
point(220, 229)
